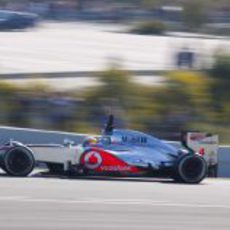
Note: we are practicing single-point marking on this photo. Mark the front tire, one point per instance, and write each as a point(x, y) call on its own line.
point(191, 169)
point(18, 161)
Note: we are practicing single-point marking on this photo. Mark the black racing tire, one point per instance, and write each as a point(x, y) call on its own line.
point(190, 169)
point(18, 161)
point(55, 168)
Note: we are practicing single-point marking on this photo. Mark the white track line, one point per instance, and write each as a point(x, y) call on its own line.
point(112, 202)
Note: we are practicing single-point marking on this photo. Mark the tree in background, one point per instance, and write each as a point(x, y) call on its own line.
point(3, 2)
point(118, 94)
point(111, 95)
point(194, 14)
point(149, 4)
point(220, 74)
point(181, 101)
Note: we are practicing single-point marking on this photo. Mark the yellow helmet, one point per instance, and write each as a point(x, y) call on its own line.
point(89, 141)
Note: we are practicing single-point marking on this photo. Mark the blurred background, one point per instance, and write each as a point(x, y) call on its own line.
point(159, 66)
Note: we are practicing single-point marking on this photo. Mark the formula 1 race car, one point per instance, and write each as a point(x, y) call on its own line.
point(116, 152)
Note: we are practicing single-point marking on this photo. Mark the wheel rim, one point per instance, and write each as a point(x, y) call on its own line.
point(19, 162)
point(192, 169)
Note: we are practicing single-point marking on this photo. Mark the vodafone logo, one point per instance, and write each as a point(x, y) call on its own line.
point(92, 160)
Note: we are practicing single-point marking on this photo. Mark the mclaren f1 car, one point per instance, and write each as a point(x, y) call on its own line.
point(116, 152)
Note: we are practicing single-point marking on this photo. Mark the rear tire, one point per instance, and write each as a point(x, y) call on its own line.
point(191, 169)
point(18, 161)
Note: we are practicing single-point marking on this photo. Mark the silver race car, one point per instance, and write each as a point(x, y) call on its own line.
point(116, 152)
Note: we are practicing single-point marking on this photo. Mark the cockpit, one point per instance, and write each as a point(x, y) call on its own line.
point(120, 138)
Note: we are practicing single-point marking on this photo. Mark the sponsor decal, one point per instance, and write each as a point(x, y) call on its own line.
point(203, 138)
point(99, 160)
point(197, 136)
point(92, 160)
point(134, 139)
point(209, 142)
point(117, 168)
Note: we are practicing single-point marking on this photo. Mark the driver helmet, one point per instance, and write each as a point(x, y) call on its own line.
point(88, 141)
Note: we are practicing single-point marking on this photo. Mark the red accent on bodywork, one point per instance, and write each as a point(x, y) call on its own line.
point(110, 163)
point(93, 159)
point(202, 152)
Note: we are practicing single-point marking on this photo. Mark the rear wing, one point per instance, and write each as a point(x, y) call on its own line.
point(205, 144)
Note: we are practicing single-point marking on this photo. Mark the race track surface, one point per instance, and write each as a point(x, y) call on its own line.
point(44, 203)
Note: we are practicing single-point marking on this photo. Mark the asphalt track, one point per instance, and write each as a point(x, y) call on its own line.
point(90, 203)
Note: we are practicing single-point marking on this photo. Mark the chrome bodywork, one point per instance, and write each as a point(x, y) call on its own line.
point(139, 149)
